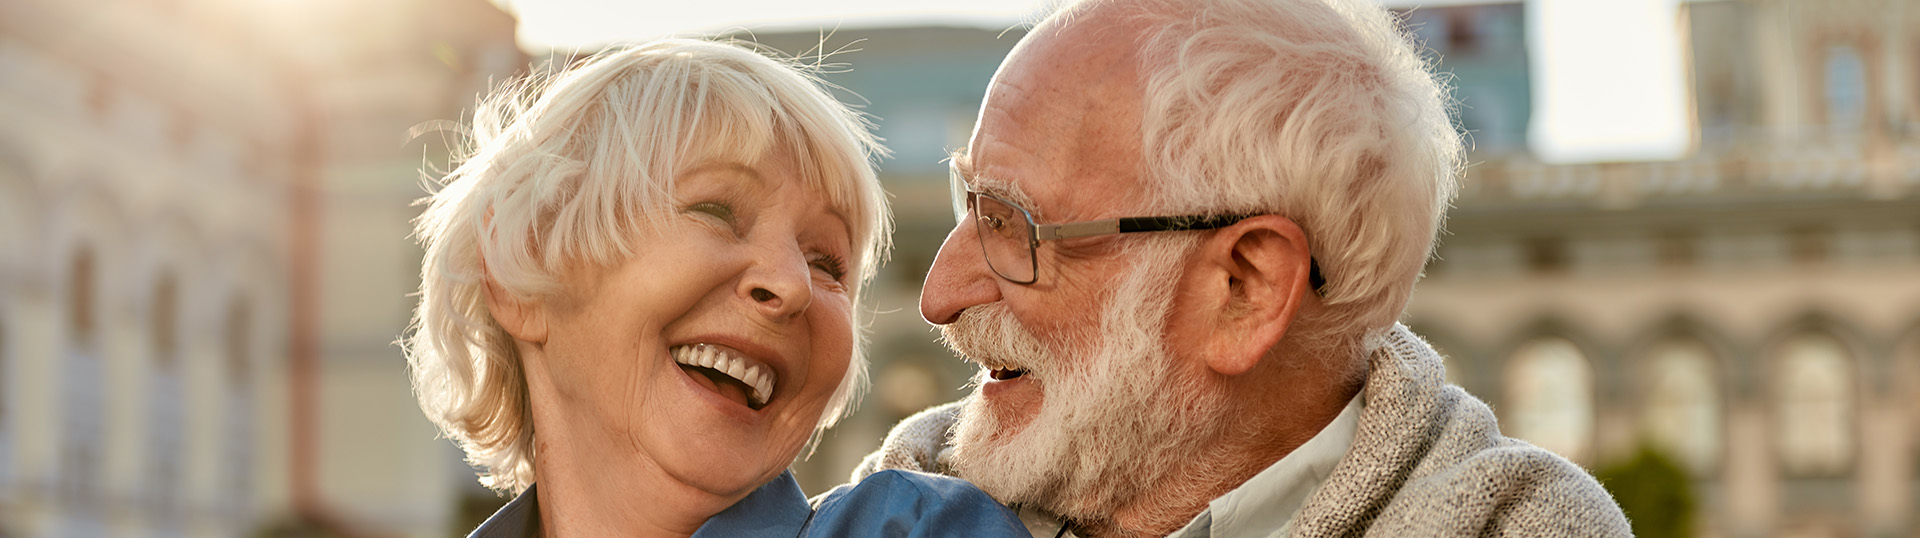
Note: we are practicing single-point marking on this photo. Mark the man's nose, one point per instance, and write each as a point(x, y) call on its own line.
point(959, 278)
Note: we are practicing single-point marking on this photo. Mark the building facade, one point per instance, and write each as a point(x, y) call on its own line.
point(1752, 310)
point(195, 197)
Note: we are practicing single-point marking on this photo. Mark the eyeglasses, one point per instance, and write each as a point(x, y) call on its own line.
point(1008, 236)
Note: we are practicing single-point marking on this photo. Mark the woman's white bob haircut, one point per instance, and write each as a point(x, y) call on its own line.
point(564, 169)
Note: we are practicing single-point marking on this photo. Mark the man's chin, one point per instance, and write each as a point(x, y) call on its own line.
point(1011, 405)
point(999, 448)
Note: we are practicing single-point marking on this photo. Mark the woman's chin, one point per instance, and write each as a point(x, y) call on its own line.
point(718, 445)
point(724, 469)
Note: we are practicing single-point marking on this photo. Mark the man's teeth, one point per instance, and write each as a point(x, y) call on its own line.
point(748, 373)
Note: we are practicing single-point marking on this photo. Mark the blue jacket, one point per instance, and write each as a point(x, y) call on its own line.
point(894, 504)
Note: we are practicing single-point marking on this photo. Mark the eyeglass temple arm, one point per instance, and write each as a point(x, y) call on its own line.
point(1045, 232)
point(1159, 224)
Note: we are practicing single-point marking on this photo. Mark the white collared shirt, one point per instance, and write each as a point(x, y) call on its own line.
point(1265, 504)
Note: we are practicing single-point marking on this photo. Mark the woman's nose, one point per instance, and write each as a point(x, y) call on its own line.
point(778, 284)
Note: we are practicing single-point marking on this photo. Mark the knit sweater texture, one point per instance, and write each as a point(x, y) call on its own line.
point(1428, 460)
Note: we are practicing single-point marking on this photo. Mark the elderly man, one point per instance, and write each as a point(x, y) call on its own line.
point(1189, 229)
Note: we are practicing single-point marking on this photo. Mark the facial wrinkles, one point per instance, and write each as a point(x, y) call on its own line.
point(1110, 425)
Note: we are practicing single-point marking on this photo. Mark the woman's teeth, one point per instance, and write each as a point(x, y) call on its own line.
point(748, 373)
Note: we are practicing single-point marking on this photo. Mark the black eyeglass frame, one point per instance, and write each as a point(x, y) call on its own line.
point(1092, 228)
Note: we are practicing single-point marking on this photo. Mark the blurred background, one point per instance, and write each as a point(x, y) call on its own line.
point(1687, 256)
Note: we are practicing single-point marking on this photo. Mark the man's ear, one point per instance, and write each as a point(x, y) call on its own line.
point(525, 320)
point(1257, 274)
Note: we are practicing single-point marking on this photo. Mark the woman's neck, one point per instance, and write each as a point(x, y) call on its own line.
point(592, 484)
point(582, 495)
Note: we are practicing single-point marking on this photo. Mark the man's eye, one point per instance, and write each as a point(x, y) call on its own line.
point(992, 222)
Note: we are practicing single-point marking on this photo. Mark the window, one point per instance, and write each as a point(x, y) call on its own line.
point(1813, 392)
point(1682, 411)
point(1846, 88)
point(1549, 397)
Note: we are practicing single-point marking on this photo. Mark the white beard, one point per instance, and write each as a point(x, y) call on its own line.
point(1113, 422)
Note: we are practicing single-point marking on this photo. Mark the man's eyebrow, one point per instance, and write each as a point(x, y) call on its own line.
point(963, 168)
point(961, 163)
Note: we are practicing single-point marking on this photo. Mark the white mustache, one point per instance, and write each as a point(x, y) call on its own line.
point(990, 335)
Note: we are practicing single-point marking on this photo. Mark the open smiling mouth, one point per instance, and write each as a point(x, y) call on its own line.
point(728, 373)
point(1003, 375)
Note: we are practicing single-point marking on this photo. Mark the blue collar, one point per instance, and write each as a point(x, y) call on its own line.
point(775, 509)
point(520, 518)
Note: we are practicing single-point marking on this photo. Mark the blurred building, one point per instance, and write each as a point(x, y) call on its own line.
point(203, 261)
point(1753, 311)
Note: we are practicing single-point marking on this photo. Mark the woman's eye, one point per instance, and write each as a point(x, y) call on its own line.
point(715, 209)
point(832, 265)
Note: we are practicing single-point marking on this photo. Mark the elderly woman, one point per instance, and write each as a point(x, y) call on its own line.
point(640, 289)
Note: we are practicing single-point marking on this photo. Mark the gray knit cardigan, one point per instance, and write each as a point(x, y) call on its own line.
point(1427, 460)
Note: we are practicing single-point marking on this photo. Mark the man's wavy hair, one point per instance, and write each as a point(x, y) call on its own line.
point(566, 168)
point(1321, 111)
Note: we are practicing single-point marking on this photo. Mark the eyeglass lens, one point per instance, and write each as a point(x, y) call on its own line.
point(1006, 236)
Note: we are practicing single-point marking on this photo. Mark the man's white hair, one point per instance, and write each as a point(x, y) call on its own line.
point(1320, 111)
point(566, 169)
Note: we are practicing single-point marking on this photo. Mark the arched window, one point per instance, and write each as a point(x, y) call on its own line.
point(165, 409)
point(1549, 397)
point(1682, 411)
point(1814, 420)
point(1845, 88)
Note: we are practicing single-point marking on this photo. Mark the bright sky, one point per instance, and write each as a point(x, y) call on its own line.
point(1608, 80)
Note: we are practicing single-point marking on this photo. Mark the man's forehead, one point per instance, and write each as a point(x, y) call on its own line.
point(1061, 119)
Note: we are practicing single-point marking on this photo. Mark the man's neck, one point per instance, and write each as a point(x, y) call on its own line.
point(1275, 415)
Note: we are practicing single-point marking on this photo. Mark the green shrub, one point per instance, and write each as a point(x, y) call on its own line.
point(1654, 491)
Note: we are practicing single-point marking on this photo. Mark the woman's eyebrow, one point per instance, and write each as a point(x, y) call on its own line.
point(725, 166)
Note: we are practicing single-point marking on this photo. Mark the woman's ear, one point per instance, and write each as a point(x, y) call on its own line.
point(1256, 277)
point(525, 320)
